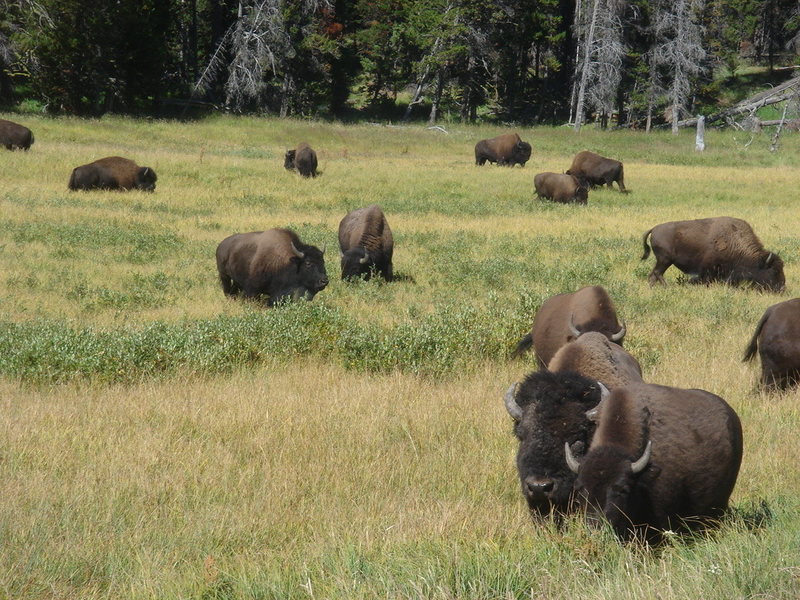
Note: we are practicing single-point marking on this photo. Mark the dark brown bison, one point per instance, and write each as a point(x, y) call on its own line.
point(366, 242)
point(507, 149)
point(15, 136)
point(113, 173)
point(303, 158)
point(598, 170)
point(594, 356)
point(777, 340)
point(716, 249)
point(272, 263)
point(565, 317)
point(561, 187)
point(661, 459)
point(549, 410)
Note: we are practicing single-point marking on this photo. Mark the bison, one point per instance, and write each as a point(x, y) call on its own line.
point(561, 187)
point(594, 356)
point(272, 263)
point(598, 170)
point(549, 410)
point(303, 158)
point(777, 340)
point(366, 242)
point(15, 136)
point(715, 249)
point(565, 317)
point(507, 149)
point(113, 173)
point(661, 459)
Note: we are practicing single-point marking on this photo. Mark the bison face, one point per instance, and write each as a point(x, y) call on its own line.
point(311, 270)
point(356, 262)
point(288, 160)
point(550, 409)
point(522, 152)
point(146, 179)
point(770, 274)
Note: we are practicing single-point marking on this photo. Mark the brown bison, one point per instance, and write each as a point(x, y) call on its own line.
point(272, 263)
point(594, 356)
point(113, 173)
point(661, 459)
point(549, 410)
point(303, 158)
point(366, 242)
point(507, 149)
point(561, 187)
point(716, 249)
point(777, 340)
point(598, 170)
point(565, 317)
point(15, 136)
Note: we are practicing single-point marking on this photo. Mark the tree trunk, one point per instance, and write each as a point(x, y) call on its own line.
point(587, 55)
point(437, 97)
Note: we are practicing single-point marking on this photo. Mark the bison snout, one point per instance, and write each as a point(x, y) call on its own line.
point(323, 283)
point(538, 487)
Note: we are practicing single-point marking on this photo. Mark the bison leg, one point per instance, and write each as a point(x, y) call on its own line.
point(229, 286)
point(657, 274)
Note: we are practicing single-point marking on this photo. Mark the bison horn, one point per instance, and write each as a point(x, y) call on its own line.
point(572, 462)
point(620, 334)
point(769, 259)
point(594, 414)
point(364, 260)
point(639, 465)
point(297, 252)
point(511, 403)
point(573, 330)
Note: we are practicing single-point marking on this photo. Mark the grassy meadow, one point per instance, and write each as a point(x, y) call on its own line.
point(160, 441)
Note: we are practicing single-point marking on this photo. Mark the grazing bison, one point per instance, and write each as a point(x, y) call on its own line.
point(303, 158)
point(777, 339)
point(716, 249)
point(594, 356)
point(598, 170)
point(272, 263)
point(561, 187)
point(565, 317)
point(661, 459)
point(113, 173)
point(507, 149)
point(549, 410)
point(15, 136)
point(366, 242)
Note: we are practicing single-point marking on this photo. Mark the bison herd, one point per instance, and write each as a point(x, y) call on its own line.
point(593, 435)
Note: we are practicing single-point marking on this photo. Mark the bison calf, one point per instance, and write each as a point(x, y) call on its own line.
point(777, 340)
point(661, 459)
point(561, 187)
point(272, 263)
point(716, 249)
point(113, 173)
point(366, 243)
point(507, 149)
point(303, 158)
point(15, 136)
point(598, 170)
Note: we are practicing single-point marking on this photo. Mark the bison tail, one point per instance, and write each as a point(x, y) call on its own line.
point(524, 345)
point(752, 347)
point(646, 246)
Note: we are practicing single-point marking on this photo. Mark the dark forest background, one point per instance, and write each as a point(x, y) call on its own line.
point(548, 61)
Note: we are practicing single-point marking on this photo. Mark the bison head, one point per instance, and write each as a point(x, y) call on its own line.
point(769, 273)
point(607, 482)
point(357, 262)
point(522, 152)
point(145, 179)
point(310, 263)
point(549, 410)
point(288, 160)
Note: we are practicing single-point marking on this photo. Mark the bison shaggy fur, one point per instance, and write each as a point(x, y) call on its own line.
point(272, 263)
point(366, 243)
point(598, 170)
point(777, 341)
point(714, 249)
point(15, 136)
point(113, 173)
point(560, 187)
point(303, 158)
point(507, 149)
point(594, 356)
